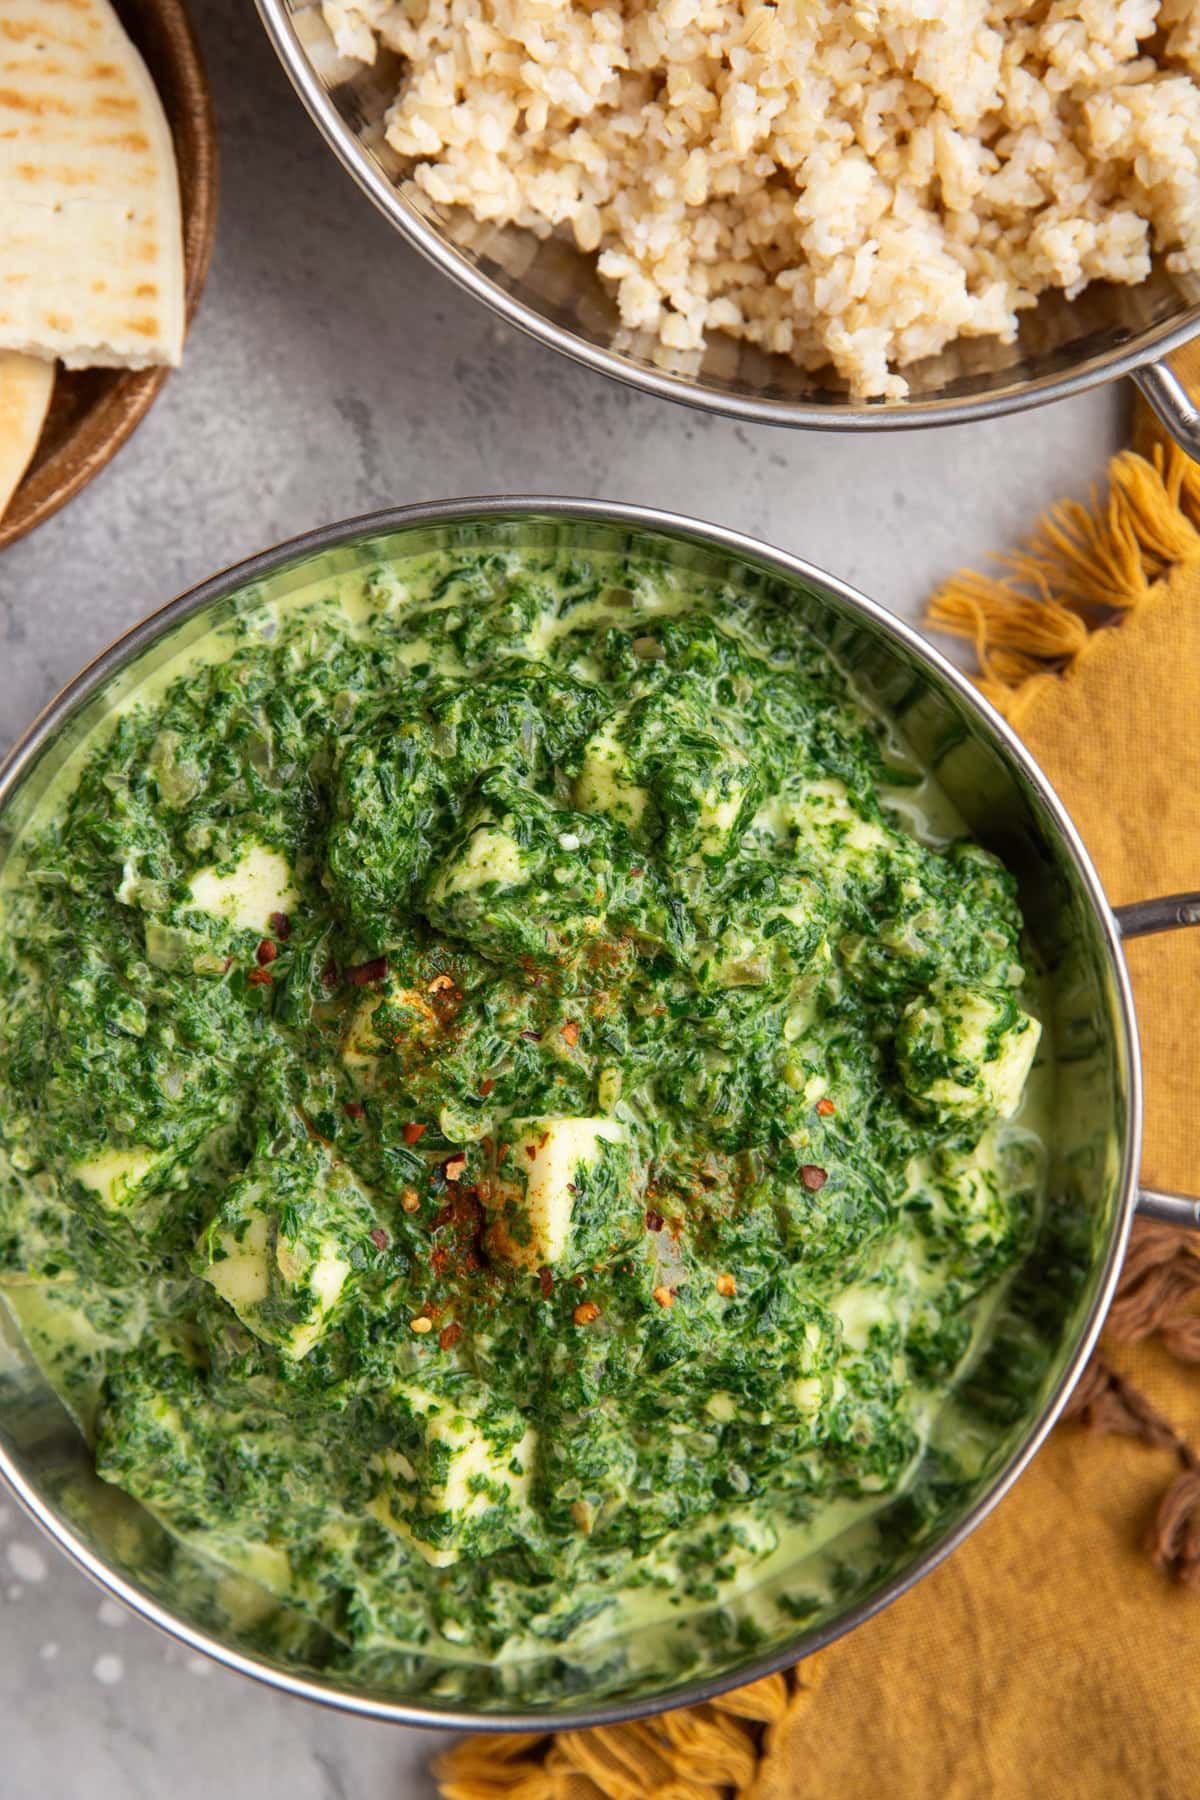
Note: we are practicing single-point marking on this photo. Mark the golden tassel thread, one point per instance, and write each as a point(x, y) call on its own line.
point(1086, 568)
point(698, 1753)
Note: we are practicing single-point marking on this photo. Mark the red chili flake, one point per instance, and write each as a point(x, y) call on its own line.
point(813, 1177)
point(485, 1087)
point(363, 974)
point(636, 872)
point(379, 1238)
point(354, 1109)
point(414, 1133)
point(546, 1283)
point(330, 973)
point(450, 1335)
point(260, 978)
point(228, 965)
point(266, 953)
point(654, 1220)
point(281, 925)
point(533, 1037)
point(570, 1033)
point(826, 1108)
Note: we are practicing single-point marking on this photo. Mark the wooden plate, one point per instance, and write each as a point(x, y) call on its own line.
point(93, 411)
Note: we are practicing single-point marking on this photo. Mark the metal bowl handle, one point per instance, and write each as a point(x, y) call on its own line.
point(1168, 1209)
point(1171, 405)
point(1169, 912)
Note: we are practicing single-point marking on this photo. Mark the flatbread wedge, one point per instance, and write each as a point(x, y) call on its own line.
point(91, 242)
point(26, 384)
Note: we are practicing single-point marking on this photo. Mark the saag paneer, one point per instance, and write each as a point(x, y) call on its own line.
point(509, 1096)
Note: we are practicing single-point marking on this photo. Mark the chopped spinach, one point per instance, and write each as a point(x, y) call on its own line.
point(505, 1110)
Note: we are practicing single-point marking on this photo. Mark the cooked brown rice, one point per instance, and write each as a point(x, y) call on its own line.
point(855, 183)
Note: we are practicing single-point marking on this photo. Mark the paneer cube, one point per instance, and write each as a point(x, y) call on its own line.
point(490, 859)
point(117, 1177)
point(606, 782)
point(392, 1019)
point(461, 1481)
point(565, 1187)
point(966, 1053)
point(719, 809)
point(526, 878)
point(976, 1204)
point(281, 1249)
point(827, 823)
point(259, 884)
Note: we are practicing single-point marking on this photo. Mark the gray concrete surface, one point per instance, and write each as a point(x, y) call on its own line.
point(331, 372)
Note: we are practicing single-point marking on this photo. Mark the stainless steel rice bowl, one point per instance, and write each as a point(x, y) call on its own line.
point(552, 290)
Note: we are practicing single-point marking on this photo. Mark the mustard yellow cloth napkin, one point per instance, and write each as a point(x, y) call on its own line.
point(1051, 1655)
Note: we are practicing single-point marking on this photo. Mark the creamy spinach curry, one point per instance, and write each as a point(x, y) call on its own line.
point(512, 1097)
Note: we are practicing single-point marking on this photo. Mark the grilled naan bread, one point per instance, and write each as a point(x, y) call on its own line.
point(26, 383)
point(91, 245)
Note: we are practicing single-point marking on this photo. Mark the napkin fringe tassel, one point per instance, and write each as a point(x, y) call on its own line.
point(709, 1752)
point(1155, 1298)
point(1086, 567)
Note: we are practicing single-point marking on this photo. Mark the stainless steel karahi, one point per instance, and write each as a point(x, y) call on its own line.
point(552, 291)
point(1054, 1310)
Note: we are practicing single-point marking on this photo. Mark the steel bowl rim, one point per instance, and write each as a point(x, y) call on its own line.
point(125, 650)
point(863, 416)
